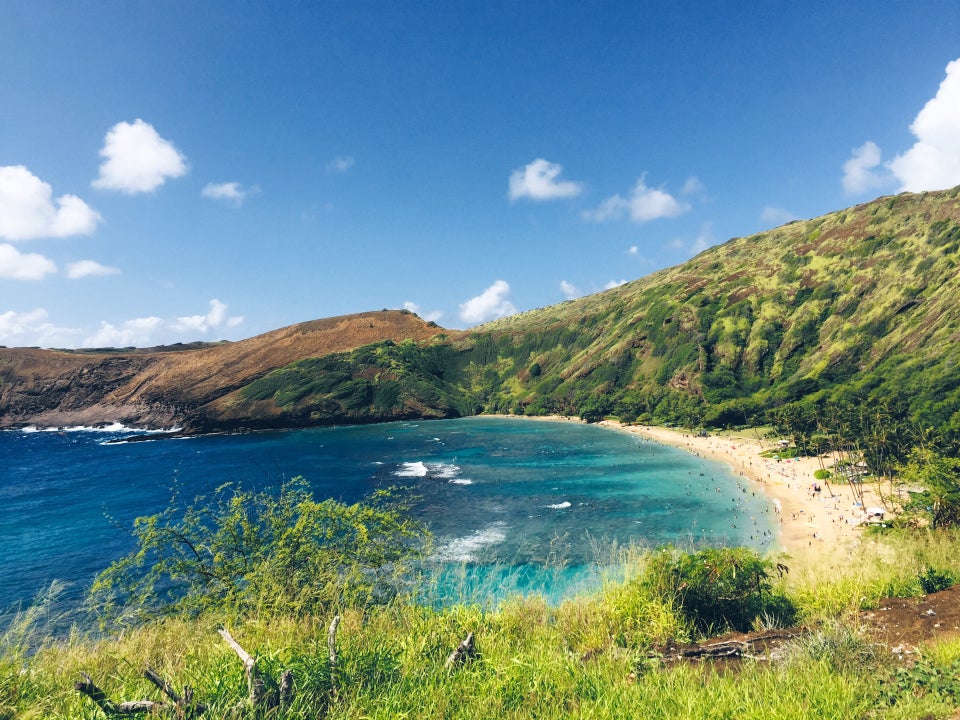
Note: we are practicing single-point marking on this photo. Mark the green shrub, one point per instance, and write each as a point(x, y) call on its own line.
point(720, 588)
point(241, 551)
point(933, 580)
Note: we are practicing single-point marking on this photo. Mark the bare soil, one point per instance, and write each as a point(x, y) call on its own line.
point(902, 625)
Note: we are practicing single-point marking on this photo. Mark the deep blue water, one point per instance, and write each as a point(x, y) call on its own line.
point(513, 504)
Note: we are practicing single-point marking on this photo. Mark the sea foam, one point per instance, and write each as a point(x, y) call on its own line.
point(464, 549)
point(432, 471)
point(412, 469)
point(115, 427)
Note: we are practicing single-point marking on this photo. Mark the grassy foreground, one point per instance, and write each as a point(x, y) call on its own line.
point(589, 657)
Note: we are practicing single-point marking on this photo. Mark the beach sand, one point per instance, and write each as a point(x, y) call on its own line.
point(814, 527)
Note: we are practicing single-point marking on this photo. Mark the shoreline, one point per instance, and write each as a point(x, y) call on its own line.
point(810, 525)
point(813, 526)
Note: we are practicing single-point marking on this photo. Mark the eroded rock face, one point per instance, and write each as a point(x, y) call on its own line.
point(50, 388)
point(165, 387)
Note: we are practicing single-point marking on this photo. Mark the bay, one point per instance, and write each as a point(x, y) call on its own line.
point(514, 505)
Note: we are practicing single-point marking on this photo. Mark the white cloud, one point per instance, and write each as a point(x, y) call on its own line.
point(137, 159)
point(153, 330)
point(703, 240)
point(33, 328)
point(86, 268)
point(569, 290)
point(231, 192)
point(933, 163)
point(614, 283)
point(538, 181)
point(15, 265)
point(774, 216)
point(432, 316)
point(28, 211)
point(860, 171)
point(693, 186)
point(613, 208)
point(340, 164)
point(215, 318)
point(139, 332)
point(633, 250)
point(491, 303)
point(643, 204)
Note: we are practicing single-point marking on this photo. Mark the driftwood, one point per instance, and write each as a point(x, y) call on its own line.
point(259, 695)
point(255, 683)
point(745, 647)
point(182, 707)
point(464, 652)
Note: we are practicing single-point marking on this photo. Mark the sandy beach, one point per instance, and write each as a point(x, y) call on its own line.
point(814, 526)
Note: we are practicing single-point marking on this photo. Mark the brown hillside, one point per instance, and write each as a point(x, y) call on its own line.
point(52, 388)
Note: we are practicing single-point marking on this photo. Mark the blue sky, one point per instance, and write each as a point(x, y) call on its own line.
point(174, 171)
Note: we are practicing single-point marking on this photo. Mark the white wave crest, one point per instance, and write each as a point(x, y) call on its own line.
point(412, 469)
point(463, 549)
point(559, 506)
point(435, 471)
point(443, 471)
point(111, 428)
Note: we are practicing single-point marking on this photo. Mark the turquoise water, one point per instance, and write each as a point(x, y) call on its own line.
point(513, 504)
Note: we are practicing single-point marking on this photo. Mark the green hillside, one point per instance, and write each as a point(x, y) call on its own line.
point(855, 308)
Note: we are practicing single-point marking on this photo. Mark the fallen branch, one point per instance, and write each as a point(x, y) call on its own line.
point(184, 705)
point(255, 684)
point(112, 709)
point(464, 652)
point(164, 686)
point(745, 647)
point(259, 696)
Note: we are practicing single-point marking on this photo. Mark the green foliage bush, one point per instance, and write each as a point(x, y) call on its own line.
point(924, 678)
point(933, 580)
point(243, 551)
point(720, 588)
point(939, 475)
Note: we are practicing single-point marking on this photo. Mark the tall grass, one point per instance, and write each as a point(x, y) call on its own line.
point(883, 565)
point(586, 657)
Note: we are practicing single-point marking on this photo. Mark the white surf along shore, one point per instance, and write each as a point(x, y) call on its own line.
point(814, 526)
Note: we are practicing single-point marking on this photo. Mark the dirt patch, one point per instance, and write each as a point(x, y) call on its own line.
point(729, 649)
point(909, 622)
point(900, 624)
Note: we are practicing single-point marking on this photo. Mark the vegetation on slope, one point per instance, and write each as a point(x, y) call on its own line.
point(167, 386)
point(857, 308)
point(593, 656)
point(858, 304)
point(378, 382)
point(846, 323)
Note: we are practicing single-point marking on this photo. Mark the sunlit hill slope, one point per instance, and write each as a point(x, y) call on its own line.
point(860, 305)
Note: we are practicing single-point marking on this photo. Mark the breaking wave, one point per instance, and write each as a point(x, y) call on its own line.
point(433, 471)
point(464, 549)
point(111, 428)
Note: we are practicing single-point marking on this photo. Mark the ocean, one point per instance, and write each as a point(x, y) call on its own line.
point(514, 505)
